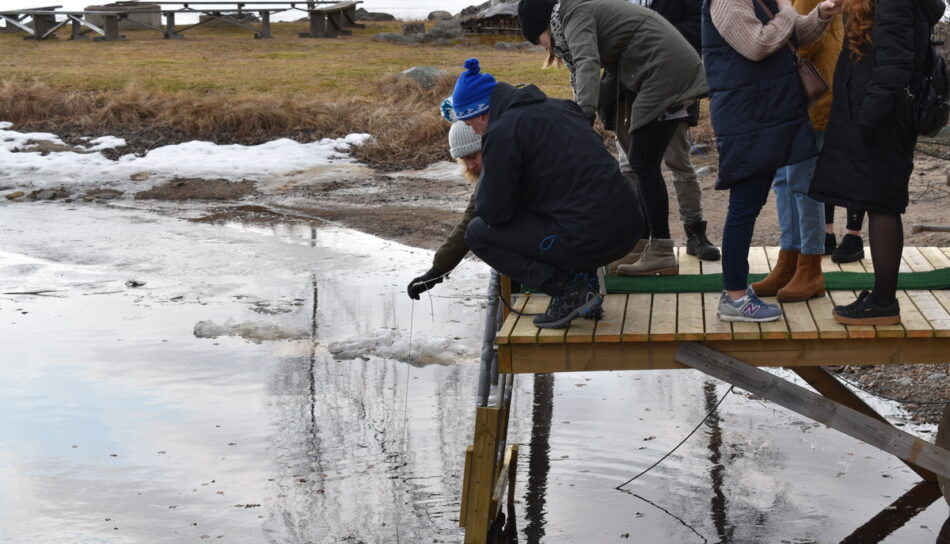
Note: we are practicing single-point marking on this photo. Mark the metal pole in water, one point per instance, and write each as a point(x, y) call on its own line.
point(488, 341)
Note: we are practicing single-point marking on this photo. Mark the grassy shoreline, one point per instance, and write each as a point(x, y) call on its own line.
point(222, 85)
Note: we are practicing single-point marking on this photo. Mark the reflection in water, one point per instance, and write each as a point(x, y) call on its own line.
point(539, 463)
point(719, 504)
point(898, 513)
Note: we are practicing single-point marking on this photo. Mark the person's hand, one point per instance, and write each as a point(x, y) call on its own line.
point(830, 8)
point(423, 283)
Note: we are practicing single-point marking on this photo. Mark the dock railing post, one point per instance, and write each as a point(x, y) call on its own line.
point(485, 377)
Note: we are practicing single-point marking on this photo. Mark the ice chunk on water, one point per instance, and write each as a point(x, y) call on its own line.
point(394, 344)
point(254, 331)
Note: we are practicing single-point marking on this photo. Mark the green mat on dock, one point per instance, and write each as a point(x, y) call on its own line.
point(712, 283)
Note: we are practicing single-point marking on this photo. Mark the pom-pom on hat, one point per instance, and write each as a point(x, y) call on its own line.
point(472, 91)
point(446, 109)
point(535, 17)
point(463, 141)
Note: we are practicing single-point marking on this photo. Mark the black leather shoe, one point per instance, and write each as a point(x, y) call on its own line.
point(697, 244)
point(850, 250)
point(866, 311)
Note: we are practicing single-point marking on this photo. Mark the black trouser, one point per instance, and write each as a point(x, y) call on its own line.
point(527, 250)
point(647, 146)
point(855, 217)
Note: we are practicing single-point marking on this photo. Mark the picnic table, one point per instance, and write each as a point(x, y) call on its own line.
point(327, 19)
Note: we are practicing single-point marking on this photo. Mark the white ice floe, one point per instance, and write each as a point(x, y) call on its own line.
point(254, 331)
point(196, 159)
point(395, 344)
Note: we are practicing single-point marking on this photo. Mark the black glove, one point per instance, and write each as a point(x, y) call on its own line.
point(423, 283)
point(590, 114)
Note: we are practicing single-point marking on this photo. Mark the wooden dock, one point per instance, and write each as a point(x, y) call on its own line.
point(644, 331)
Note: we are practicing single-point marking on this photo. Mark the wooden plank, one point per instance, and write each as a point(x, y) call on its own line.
point(777, 329)
point(689, 264)
point(916, 260)
point(531, 358)
point(932, 310)
point(801, 324)
point(771, 252)
point(502, 483)
point(716, 329)
point(821, 310)
point(525, 331)
point(758, 260)
point(946, 251)
point(611, 326)
point(830, 387)
point(827, 265)
point(663, 317)
point(466, 484)
point(843, 298)
point(936, 257)
point(689, 316)
point(478, 517)
point(742, 330)
point(914, 322)
point(636, 319)
point(504, 333)
point(798, 399)
point(581, 330)
point(943, 297)
point(711, 267)
point(856, 266)
point(868, 262)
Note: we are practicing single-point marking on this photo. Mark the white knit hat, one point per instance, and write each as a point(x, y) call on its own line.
point(463, 141)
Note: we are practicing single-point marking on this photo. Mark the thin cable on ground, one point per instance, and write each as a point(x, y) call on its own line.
point(885, 397)
point(683, 441)
point(405, 404)
point(667, 512)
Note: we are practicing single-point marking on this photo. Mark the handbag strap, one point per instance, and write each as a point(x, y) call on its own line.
point(789, 42)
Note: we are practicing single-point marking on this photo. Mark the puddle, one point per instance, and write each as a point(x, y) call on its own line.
point(262, 386)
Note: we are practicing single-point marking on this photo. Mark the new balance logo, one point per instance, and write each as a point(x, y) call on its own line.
point(751, 309)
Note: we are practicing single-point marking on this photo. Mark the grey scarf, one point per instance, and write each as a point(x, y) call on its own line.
point(559, 42)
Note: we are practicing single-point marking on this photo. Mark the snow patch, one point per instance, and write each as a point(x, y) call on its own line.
point(254, 331)
point(394, 344)
point(196, 159)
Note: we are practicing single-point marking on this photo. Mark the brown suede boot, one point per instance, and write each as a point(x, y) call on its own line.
point(808, 281)
point(658, 259)
point(631, 257)
point(781, 274)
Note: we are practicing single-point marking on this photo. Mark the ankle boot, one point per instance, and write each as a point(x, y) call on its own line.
point(808, 281)
point(658, 259)
point(631, 257)
point(697, 244)
point(781, 274)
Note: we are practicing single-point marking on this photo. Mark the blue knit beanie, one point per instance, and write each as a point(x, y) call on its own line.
point(472, 92)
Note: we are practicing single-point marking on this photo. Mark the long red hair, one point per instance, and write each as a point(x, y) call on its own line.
point(858, 24)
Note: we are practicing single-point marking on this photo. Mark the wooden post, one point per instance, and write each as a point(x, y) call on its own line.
point(318, 25)
point(110, 25)
point(482, 478)
point(42, 24)
point(825, 383)
point(265, 26)
point(77, 29)
point(798, 399)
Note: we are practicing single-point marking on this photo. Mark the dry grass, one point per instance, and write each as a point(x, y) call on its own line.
point(222, 85)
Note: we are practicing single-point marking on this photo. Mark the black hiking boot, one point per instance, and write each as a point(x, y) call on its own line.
point(866, 311)
point(830, 243)
point(850, 250)
point(579, 298)
point(697, 244)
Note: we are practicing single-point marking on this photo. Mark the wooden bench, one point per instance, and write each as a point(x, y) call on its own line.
point(333, 20)
point(16, 18)
point(45, 24)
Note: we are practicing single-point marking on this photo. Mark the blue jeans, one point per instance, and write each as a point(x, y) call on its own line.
point(746, 199)
point(801, 218)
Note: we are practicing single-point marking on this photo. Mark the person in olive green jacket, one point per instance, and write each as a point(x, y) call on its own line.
point(466, 148)
point(652, 61)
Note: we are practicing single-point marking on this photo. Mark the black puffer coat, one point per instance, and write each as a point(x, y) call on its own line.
point(541, 156)
point(868, 153)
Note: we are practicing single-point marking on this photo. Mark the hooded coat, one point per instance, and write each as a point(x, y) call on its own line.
point(541, 156)
point(652, 59)
point(868, 154)
point(824, 53)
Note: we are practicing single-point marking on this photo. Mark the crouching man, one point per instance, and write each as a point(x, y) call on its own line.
point(551, 205)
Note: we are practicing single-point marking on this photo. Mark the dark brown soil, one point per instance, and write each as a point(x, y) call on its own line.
point(199, 189)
